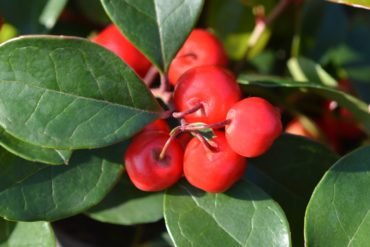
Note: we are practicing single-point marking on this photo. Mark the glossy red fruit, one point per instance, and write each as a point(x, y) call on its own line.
point(255, 124)
point(212, 171)
point(112, 39)
point(144, 167)
point(201, 48)
point(339, 126)
point(184, 138)
point(157, 125)
point(212, 86)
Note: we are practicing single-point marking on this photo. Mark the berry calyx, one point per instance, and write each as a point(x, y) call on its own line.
point(212, 171)
point(254, 126)
point(146, 169)
point(210, 90)
point(112, 39)
point(201, 48)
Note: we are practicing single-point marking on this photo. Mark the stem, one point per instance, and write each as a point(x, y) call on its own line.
point(150, 76)
point(168, 142)
point(166, 114)
point(205, 142)
point(217, 125)
point(193, 130)
point(164, 83)
point(162, 92)
point(261, 23)
point(193, 109)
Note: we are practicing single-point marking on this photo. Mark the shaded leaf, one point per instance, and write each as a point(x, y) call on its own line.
point(322, 26)
point(31, 234)
point(33, 153)
point(157, 27)
point(32, 17)
point(359, 108)
point(235, 32)
point(78, 94)
point(339, 206)
point(93, 10)
point(339, 38)
point(303, 69)
point(289, 172)
point(243, 216)
point(31, 191)
point(126, 205)
point(162, 241)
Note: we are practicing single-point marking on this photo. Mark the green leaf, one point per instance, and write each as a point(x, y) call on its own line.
point(243, 216)
point(33, 153)
point(32, 17)
point(289, 172)
point(322, 26)
point(31, 191)
point(14, 169)
point(235, 32)
point(338, 212)
point(359, 108)
point(157, 27)
point(126, 205)
point(303, 69)
point(69, 93)
point(354, 3)
point(30, 234)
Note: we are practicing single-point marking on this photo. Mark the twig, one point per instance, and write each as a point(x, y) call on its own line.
point(193, 109)
point(150, 76)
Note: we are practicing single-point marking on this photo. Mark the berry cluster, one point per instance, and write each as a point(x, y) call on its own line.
point(224, 128)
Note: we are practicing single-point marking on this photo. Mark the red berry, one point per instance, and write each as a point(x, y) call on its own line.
point(144, 167)
point(255, 124)
point(157, 125)
point(201, 48)
point(338, 125)
point(184, 138)
point(112, 39)
point(212, 171)
point(213, 87)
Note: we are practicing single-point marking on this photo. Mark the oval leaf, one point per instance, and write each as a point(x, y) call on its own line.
point(339, 206)
point(32, 234)
point(126, 205)
point(69, 93)
point(157, 27)
point(359, 108)
point(303, 69)
point(14, 170)
point(289, 172)
point(32, 192)
point(243, 216)
point(33, 153)
point(354, 3)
